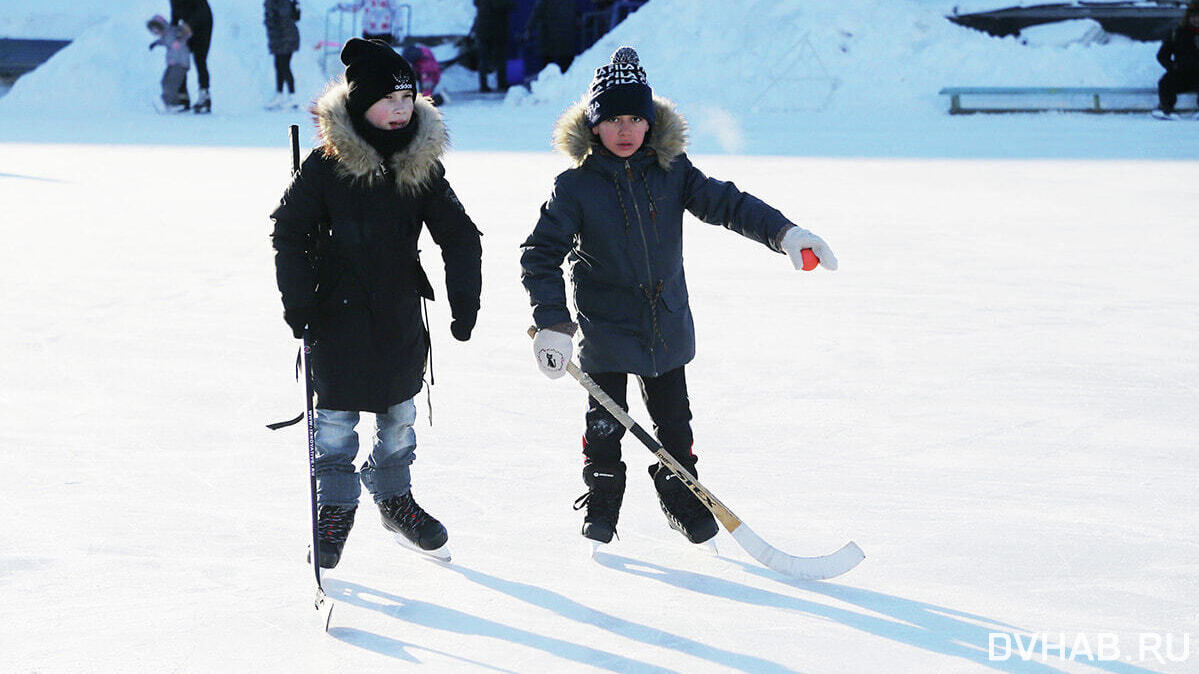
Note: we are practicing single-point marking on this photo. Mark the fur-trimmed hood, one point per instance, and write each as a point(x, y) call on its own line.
point(667, 138)
point(414, 167)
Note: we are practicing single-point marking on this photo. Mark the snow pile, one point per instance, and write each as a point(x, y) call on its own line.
point(109, 60)
point(847, 57)
point(51, 19)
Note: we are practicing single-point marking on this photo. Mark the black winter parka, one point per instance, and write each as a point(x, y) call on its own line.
point(555, 23)
point(1180, 52)
point(619, 223)
point(282, 35)
point(196, 13)
point(345, 237)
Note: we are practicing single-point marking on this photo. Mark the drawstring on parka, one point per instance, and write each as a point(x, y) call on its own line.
point(652, 298)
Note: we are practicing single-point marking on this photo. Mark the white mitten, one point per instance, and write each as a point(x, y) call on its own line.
point(553, 350)
point(798, 238)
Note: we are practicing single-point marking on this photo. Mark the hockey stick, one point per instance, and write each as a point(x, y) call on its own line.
point(321, 602)
point(804, 568)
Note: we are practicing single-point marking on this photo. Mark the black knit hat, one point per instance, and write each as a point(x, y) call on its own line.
point(620, 88)
point(373, 70)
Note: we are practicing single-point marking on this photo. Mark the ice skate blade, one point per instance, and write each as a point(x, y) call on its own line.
point(709, 546)
point(324, 608)
point(441, 554)
point(593, 548)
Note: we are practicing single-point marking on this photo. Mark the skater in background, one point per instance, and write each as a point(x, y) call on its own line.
point(357, 207)
point(1179, 55)
point(490, 31)
point(174, 78)
point(378, 18)
point(555, 22)
point(428, 71)
point(618, 217)
point(198, 16)
point(283, 40)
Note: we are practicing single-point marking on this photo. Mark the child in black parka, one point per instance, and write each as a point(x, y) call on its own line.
point(346, 262)
point(618, 218)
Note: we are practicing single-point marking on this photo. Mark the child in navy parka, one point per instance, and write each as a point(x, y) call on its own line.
point(617, 217)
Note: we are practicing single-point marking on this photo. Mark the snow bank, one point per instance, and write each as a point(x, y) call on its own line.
point(848, 57)
point(856, 59)
point(51, 19)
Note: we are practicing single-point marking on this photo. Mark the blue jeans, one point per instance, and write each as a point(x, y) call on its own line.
point(385, 473)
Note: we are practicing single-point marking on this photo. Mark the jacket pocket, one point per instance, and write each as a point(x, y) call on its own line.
point(674, 297)
point(600, 302)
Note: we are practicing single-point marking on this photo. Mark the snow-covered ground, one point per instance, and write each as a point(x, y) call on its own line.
point(994, 396)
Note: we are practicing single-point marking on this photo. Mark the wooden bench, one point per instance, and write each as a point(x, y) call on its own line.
point(1066, 99)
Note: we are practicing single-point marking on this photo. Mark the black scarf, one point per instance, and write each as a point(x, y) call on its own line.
point(386, 141)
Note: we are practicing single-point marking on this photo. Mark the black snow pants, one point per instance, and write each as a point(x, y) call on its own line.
point(666, 400)
point(1173, 83)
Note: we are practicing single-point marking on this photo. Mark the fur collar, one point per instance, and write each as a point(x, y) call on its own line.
point(414, 167)
point(668, 137)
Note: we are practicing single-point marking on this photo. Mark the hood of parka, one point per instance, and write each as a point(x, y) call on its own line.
point(413, 167)
point(667, 136)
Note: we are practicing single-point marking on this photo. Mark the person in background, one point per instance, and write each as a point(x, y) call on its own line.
point(428, 71)
point(378, 18)
point(490, 31)
point(198, 17)
point(174, 78)
point(1179, 55)
point(349, 273)
point(555, 22)
point(282, 40)
point(618, 217)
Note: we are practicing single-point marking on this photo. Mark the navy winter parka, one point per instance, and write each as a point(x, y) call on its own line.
point(346, 237)
point(619, 223)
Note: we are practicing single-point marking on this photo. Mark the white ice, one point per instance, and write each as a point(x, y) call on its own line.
point(995, 396)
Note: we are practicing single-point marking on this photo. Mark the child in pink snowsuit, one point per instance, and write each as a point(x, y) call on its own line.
point(179, 57)
point(428, 70)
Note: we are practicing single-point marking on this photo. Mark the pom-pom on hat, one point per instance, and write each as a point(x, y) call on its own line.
point(373, 70)
point(620, 88)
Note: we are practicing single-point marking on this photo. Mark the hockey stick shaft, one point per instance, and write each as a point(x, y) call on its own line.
point(310, 416)
point(293, 135)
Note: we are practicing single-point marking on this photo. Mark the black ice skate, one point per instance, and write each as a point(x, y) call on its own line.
point(605, 490)
point(683, 510)
point(415, 528)
point(333, 524)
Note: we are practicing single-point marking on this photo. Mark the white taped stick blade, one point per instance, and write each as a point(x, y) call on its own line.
point(804, 568)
